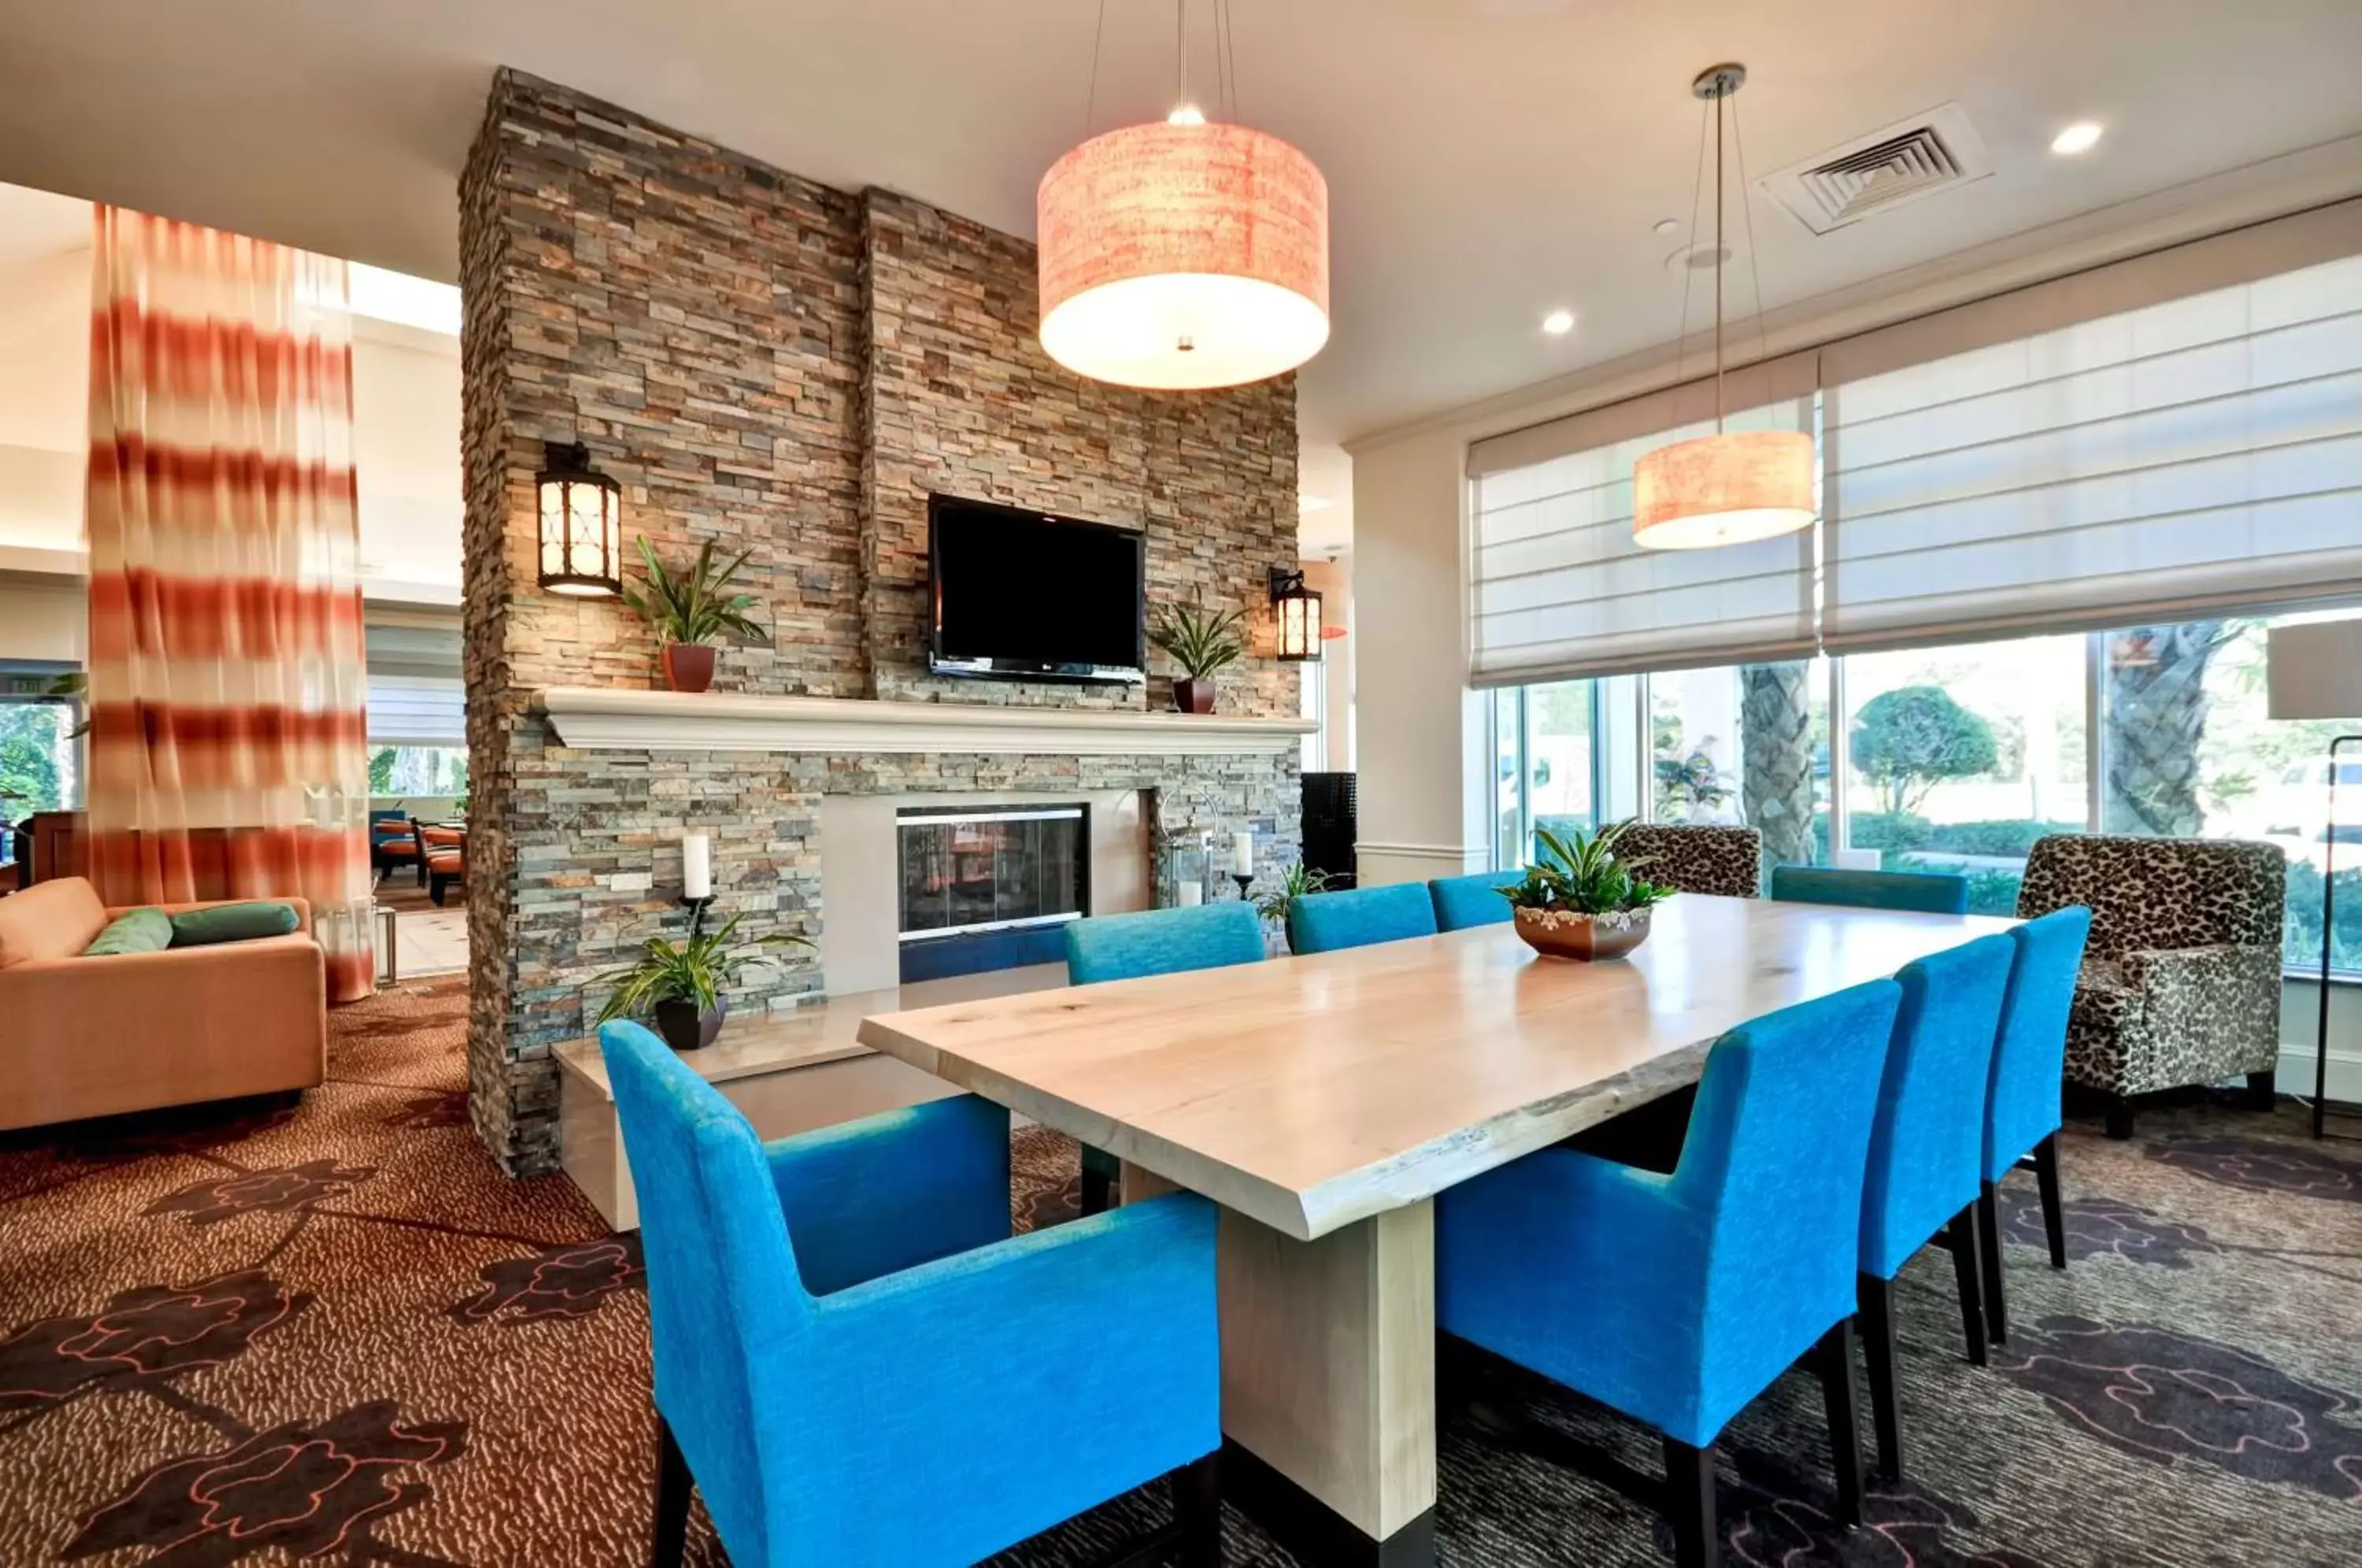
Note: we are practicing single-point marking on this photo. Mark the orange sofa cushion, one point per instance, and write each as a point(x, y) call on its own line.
point(49, 920)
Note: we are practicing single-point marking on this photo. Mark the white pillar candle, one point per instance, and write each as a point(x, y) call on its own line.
point(697, 866)
point(1191, 894)
point(1242, 852)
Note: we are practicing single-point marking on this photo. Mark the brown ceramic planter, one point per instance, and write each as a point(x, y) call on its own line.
point(688, 667)
point(684, 1028)
point(1558, 934)
point(1191, 695)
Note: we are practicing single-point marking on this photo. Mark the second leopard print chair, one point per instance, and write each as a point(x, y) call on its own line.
point(1724, 860)
point(2181, 982)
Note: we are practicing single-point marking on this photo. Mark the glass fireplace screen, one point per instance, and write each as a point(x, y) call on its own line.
point(992, 870)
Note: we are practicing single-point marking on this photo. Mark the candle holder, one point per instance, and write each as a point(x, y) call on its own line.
point(696, 907)
point(1244, 881)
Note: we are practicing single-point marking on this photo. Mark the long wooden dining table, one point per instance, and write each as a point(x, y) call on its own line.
point(1323, 1101)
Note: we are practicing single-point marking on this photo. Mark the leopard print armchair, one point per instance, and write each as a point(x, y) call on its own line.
point(2181, 980)
point(1726, 860)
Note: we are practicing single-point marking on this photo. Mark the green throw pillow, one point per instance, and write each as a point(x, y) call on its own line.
point(232, 923)
point(134, 931)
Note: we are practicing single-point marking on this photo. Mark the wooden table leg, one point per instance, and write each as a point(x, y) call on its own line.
point(1328, 1385)
point(1329, 1381)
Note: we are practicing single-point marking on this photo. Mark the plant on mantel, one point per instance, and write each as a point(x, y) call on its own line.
point(1203, 643)
point(683, 984)
point(688, 608)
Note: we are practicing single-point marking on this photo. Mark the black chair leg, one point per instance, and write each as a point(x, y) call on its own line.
point(2054, 1216)
point(2119, 1118)
point(2263, 1090)
point(1197, 1510)
point(1876, 1298)
point(1989, 1252)
point(1099, 1191)
point(673, 1486)
point(1961, 1236)
point(1689, 1502)
point(1832, 1362)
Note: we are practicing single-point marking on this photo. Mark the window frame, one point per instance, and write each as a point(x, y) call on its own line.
point(1639, 785)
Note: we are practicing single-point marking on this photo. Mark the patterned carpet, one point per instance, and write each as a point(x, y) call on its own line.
point(335, 1333)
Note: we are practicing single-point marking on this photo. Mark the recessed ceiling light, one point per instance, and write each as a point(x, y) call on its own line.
point(1558, 323)
point(2080, 137)
point(1666, 225)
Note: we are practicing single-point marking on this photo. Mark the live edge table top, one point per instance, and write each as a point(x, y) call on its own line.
point(1311, 1092)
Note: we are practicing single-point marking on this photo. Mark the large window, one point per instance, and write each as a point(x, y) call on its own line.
point(1955, 758)
point(1959, 759)
point(41, 760)
point(1548, 767)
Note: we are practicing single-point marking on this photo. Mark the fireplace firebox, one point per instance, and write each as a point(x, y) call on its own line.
point(989, 887)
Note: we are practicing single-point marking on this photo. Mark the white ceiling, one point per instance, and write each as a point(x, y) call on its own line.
point(1488, 160)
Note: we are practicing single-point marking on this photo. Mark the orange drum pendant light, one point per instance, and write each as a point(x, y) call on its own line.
point(1184, 255)
point(1732, 486)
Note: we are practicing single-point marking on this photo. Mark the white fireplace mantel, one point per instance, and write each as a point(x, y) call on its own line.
point(612, 719)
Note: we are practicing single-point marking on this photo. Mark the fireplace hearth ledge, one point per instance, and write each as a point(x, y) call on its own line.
point(619, 719)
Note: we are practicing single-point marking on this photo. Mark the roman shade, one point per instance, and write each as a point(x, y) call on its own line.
point(1559, 590)
point(2148, 442)
point(416, 711)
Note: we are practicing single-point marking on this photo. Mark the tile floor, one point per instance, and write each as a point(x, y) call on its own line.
point(431, 940)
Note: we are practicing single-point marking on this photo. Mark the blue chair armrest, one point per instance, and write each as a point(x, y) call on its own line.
point(1588, 1271)
point(1105, 1327)
point(892, 1191)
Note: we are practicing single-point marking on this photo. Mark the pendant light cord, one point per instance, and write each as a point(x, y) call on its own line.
point(1689, 273)
point(1180, 52)
point(1747, 209)
point(1719, 253)
point(1091, 100)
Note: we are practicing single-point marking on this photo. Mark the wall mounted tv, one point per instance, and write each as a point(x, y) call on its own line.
point(1019, 595)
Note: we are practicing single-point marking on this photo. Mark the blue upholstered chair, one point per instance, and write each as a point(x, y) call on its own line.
point(1321, 922)
point(1152, 942)
point(1927, 1154)
point(2022, 1111)
point(1936, 892)
point(1678, 1299)
point(855, 1362)
point(1475, 900)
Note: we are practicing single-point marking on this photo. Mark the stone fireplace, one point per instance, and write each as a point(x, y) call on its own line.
point(788, 368)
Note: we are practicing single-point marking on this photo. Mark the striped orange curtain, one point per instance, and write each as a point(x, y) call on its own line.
point(228, 672)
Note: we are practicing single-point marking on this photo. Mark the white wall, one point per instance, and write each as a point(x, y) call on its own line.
point(1422, 797)
point(2299, 1024)
point(42, 621)
point(1333, 580)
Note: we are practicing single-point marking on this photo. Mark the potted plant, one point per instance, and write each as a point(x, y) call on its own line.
point(681, 986)
point(1580, 900)
point(1202, 643)
point(1298, 881)
point(688, 609)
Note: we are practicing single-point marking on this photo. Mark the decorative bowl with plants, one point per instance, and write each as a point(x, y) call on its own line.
point(1203, 643)
point(1580, 900)
point(688, 608)
point(680, 986)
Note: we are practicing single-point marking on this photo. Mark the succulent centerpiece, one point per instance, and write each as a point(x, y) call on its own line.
point(1580, 898)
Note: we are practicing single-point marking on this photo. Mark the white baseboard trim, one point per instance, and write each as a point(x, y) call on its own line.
point(1380, 864)
point(2295, 1075)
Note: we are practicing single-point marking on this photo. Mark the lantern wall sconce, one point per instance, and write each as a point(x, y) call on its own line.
point(582, 513)
point(1299, 616)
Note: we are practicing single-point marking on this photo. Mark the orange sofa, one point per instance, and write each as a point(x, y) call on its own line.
point(133, 1031)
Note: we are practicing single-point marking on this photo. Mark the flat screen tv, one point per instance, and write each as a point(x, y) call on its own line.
point(1019, 595)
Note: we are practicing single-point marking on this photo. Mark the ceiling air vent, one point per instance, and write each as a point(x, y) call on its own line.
point(1891, 167)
